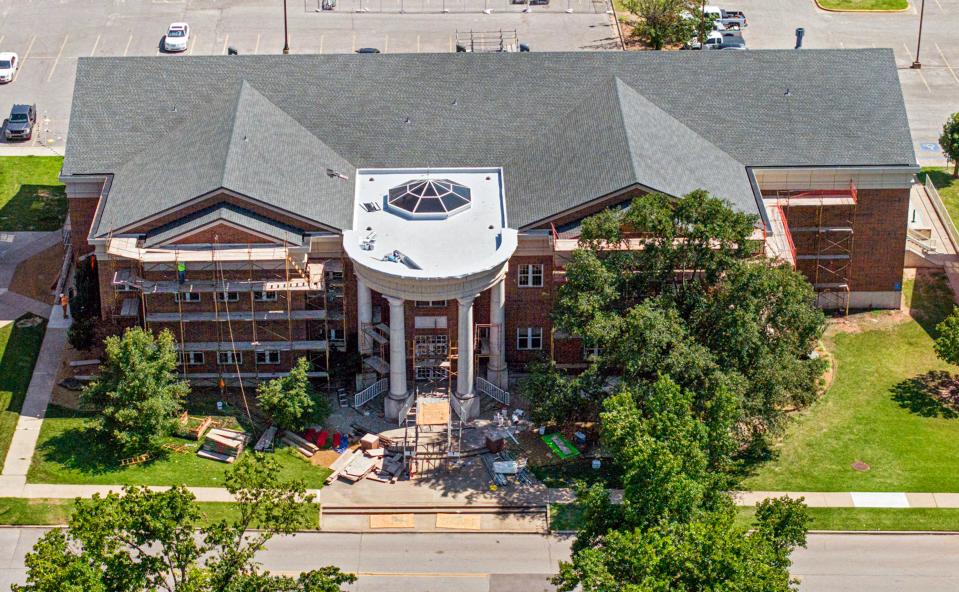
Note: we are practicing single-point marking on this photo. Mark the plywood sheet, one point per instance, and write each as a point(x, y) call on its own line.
point(458, 521)
point(391, 521)
point(432, 412)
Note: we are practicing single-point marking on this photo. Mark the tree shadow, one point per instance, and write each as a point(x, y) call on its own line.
point(80, 449)
point(35, 208)
point(933, 394)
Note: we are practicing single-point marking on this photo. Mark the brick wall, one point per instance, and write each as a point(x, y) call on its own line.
point(222, 233)
point(81, 212)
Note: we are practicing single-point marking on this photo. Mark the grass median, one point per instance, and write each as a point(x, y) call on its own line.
point(863, 5)
point(31, 195)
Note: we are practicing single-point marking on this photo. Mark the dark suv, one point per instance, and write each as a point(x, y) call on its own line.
point(19, 126)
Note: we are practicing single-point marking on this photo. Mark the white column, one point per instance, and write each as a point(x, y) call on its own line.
point(464, 368)
point(397, 347)
point(364, 315)
point(496, 372)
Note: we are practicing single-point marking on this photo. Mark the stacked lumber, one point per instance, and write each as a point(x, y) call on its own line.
point(266, 440)
point(340, 463)
point(359, 467)
point(223, 445)
point(304, 447)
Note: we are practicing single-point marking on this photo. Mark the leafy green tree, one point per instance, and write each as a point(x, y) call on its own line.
point(662, 22)
point(949, 140)
point(710, 552)
point(145, 541)
point(138, 390)
point(85, 300)
point(290, 400)
point(947, 341)
point(694, 304)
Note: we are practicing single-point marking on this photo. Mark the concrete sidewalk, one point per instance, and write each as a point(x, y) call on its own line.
point(15, 486)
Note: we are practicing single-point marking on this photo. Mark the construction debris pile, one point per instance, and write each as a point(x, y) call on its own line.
point(371, 460)
point(223, 445)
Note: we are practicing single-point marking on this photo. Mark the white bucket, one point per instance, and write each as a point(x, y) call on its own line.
point(596, 464)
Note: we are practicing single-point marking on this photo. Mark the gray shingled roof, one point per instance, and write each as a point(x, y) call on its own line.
point(567, 128)
point(224, 213)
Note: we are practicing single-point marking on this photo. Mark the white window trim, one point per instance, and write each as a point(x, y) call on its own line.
point(431, 303)
point(223, 358)
point(528, 334)
point(227, 296)
point(187, 297)
point(525, 272)
point(267, 353)
point(190, 358)
point(265, 296)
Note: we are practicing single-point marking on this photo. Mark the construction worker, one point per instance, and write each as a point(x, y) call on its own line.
point(65, 304)
point(181, 271)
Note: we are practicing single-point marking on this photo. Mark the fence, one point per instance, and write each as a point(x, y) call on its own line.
point(488, 388)
point(371, 392)
point(943, 213)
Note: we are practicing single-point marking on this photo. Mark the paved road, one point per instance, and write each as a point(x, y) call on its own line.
point(481, 563)
point(932, 93)
point(49, 35)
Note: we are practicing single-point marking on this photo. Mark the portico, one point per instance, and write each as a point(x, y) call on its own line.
point(430, 235)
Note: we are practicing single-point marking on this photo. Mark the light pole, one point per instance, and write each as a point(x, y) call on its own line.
point(916, 65)
point(286, 32)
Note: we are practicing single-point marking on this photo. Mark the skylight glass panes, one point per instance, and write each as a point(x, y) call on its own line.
point(430, 197)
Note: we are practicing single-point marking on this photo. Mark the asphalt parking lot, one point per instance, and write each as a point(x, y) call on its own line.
point(49, 35)
point(932, 93)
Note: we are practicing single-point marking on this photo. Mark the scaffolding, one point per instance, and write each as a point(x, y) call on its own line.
point(830, 246)
point(244, 282)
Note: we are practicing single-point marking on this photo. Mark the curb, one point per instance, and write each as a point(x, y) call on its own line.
point(862, 10)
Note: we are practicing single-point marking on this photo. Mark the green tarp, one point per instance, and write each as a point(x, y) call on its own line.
point(560, 446)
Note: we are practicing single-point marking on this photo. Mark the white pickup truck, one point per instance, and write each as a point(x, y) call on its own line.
point(726, 19)
point(729, 39)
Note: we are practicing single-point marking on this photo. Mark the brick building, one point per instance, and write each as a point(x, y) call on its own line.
point(420, 208)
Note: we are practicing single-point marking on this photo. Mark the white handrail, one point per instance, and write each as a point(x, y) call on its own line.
point(371, 392)
point(943, 213)
point(488, 388)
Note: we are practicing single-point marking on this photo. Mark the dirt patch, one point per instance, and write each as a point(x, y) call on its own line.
point(65, 397)
point(324, 458)
point(37, 276)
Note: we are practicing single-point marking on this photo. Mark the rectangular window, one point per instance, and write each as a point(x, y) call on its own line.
point(227, 296)
point(186, 297)
point(228, 357)
point(264, 296)
point(432, 345)
point(531, 275)
point(591, 352)
point(431, 303)
point(193, 358)
point(270, 356)
point(529, 338)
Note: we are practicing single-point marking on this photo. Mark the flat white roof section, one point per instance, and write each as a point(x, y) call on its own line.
point(451, 230)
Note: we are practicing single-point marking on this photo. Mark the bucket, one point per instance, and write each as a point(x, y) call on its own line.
point(596, 464)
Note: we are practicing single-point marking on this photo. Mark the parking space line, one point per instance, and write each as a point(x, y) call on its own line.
point(95, 45)
point(257, 48)
point(946, 62)
point(25, 56)
point(321, 43)
point(918, 70)
point(386, 44)
point(57, 60)
point(417, 44)
point(225, 41)
point(192, 45)
point(127, 48)
point(940, 7)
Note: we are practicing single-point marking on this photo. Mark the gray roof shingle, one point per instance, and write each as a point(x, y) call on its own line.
point(567, 127)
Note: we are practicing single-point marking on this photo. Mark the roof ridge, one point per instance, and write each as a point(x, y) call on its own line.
point(621, 86)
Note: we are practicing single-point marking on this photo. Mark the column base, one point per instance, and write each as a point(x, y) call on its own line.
point(466, 406)
point(393, 405)
point(498, 377)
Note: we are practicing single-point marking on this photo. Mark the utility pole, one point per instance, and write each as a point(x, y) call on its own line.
point(916, 65)
point(286, 32)
point(702, 26)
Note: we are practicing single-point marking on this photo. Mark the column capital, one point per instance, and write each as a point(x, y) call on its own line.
point(466, 301)
point(394, 301)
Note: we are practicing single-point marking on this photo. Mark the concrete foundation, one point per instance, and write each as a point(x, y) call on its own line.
point(467, 406)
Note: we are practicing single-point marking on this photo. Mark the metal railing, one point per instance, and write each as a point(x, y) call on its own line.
point(371, 392)
point(943, 213)
point(488, 388)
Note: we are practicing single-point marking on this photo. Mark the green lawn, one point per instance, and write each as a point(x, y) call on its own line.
point(19, 511)
point(877, 411)
point(67, 454)
point(19, 347)
point(31, 196)
point(864, 4)
point(874, 518)
point(947, 186)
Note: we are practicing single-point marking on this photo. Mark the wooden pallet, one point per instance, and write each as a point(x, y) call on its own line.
point(135, 460)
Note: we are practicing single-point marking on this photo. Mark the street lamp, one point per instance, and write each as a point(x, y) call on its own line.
point(916, 65)
point(286, 32)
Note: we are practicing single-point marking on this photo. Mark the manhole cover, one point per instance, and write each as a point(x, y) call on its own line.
point(860, 466)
